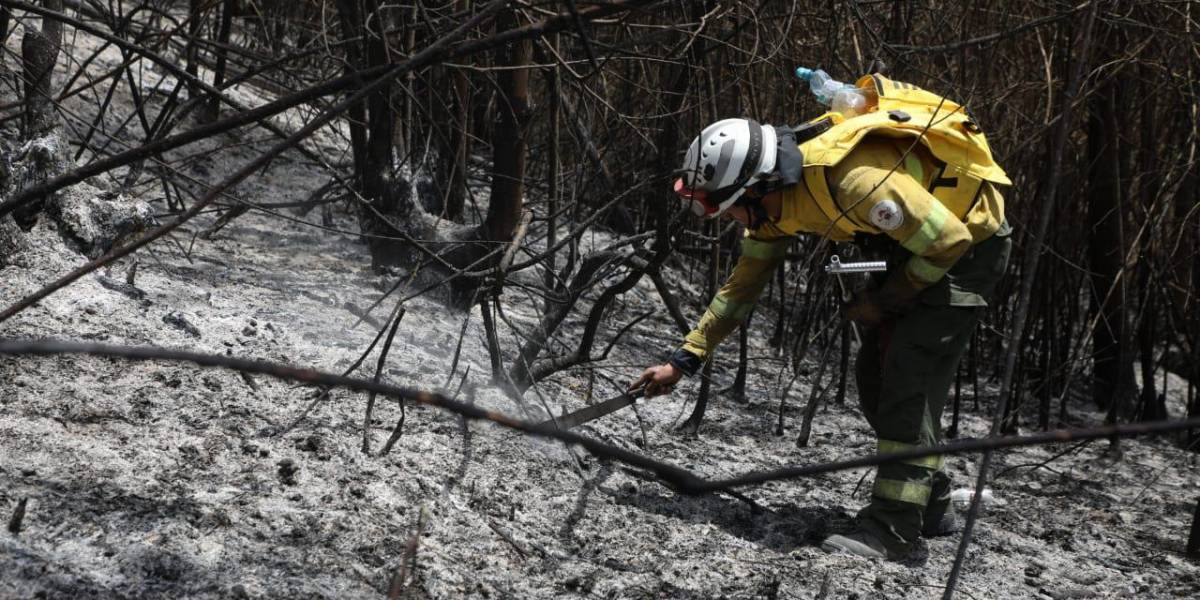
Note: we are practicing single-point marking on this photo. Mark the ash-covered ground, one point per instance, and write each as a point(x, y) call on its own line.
point(159, 480)
point(166, 480)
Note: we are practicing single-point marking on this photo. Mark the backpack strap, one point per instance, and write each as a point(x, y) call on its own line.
point(813, 128)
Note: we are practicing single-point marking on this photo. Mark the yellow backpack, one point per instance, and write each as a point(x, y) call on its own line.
point(906, 111)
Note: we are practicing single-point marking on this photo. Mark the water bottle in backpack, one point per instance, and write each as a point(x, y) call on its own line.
point(839, 97)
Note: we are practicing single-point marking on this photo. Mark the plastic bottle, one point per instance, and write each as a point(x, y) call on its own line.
point(840, 97)
point(849, 101)
point(822, 85)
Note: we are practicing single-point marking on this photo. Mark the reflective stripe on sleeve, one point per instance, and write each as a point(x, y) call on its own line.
point(763, 250)
point(901, 491)
point(912, 164)
point(926, 462)
point(931, 229)
point(724, 308)
point(924, 270)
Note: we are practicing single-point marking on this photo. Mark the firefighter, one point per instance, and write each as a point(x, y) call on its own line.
point(913, 177)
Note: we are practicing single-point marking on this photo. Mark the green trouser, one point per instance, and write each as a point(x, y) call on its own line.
point(904, 371)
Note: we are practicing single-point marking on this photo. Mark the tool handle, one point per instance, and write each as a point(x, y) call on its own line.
point(846, 298)
point(836, 266)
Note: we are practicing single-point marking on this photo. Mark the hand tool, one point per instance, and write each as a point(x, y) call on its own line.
point(593, 412)
point(839, 268)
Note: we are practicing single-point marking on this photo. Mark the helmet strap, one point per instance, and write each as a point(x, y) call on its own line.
point(755, 209)
point(758, 215)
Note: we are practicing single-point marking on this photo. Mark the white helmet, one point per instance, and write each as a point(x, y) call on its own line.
point(725, 159)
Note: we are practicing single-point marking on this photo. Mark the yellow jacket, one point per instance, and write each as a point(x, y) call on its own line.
point(883, 184)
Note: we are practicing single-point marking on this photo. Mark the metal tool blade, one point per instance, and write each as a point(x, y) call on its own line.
point(593, 412)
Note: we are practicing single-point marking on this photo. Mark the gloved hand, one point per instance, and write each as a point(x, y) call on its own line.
point(898, 294)
point(658, 380)
point(870, 308)
point(865, 309)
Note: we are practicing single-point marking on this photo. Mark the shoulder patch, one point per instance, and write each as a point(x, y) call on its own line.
point(886, 215)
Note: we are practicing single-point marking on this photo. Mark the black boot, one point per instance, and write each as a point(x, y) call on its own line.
point(946, 525)
point(938, 519)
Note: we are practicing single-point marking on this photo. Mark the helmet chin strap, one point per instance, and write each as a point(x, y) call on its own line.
point(755, 211)
point(758, 215)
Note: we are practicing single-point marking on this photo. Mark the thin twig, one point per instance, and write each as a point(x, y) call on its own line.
point(408, 564)
point(383, 352)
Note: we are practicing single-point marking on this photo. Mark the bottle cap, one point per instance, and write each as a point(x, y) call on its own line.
point(804, 73)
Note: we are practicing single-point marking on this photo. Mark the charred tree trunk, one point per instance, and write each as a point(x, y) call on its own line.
point(1150, 405)
point(371, 133)
point(1189, 197)
point(452, 165)
point(553, 177)
point(508, 139)
point(737, 392)
point(1106, 253)
point(406, 131)
point(457, 194)
point(39, 54)
point(507, 195)
point(844, 369)
point(1049, 381)
point(350, 18)
point(212, 109)
point(192, 51)
point(814, 398)
point(87, 222)
point(5, 19)
point(692, 425)
point(781, 319)
point(381, 122)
